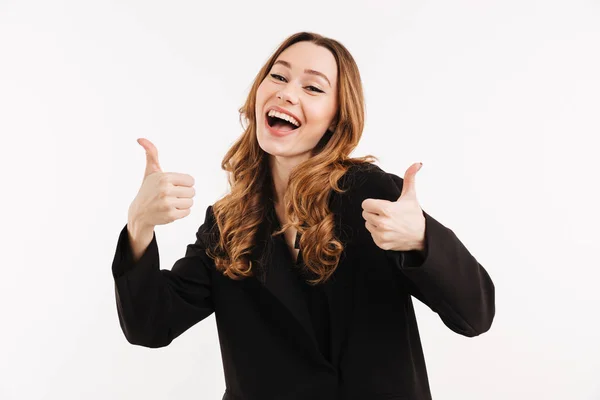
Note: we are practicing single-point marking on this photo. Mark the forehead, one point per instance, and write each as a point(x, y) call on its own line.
point(307, 55)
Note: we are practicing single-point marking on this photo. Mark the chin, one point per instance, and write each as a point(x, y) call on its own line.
point(268, 145)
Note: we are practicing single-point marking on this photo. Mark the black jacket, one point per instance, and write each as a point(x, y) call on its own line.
point(268, 348)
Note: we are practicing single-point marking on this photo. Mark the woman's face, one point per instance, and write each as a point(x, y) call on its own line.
point(303, 84)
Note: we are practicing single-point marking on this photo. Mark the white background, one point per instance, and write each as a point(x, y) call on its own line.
point(500, 100)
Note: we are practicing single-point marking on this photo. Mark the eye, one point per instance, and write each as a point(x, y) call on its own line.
point(275, 76)
point(282, 79)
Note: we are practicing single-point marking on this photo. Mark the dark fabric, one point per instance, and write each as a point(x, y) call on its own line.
point(318, 309)
point(314, 295)
point(353, 337)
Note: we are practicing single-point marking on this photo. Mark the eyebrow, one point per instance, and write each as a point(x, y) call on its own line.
point(307, 71)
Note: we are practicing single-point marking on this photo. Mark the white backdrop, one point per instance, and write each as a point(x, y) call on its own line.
point(499, 100)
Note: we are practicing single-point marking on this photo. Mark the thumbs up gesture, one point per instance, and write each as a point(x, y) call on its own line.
point(397, 225)
point(163, 196)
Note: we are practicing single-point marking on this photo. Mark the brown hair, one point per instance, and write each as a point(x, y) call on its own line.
point(239, 214)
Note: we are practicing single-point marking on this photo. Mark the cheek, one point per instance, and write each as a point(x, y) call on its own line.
point(259, 95)
point(263, 94)
point(318, 114)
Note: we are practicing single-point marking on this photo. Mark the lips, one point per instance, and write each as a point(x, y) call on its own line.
point(276, 132)
point(283, 111)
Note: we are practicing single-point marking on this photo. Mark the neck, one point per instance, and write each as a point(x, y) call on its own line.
point(281, 168)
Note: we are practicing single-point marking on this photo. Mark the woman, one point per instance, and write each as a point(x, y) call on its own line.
point(324, 312)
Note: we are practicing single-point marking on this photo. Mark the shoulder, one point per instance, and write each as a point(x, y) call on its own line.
point(208, 232)
point(361, 182)
point(367, 180)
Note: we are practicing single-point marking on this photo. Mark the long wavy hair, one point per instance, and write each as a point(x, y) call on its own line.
point(240, 213)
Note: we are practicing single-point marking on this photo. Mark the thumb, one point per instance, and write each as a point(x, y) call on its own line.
point(408, 186)
point(152, 164)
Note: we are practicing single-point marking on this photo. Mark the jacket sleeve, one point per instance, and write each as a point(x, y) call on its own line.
point(155, 306)
point(446, 277)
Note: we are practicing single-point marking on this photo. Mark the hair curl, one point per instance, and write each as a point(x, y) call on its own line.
point(239, 213)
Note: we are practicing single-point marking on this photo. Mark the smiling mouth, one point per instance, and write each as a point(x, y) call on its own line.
point(280, 124)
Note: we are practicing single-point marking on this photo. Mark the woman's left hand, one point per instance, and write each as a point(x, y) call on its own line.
point(398, 225)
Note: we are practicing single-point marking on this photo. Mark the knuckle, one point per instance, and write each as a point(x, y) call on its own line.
point(163, 179)
point(163, 187)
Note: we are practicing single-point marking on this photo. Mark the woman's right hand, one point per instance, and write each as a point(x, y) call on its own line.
point(163, 197)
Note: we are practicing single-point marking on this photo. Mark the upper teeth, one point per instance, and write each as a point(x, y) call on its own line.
point(286, 117)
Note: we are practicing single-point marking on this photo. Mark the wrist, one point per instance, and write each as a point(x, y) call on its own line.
point(421, 247)
point(140, 237)
point(138, 229)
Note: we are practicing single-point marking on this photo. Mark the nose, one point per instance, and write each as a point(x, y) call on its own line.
point(287, 94)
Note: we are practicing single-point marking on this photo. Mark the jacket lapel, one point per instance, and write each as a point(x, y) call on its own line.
point(282, 282)
point(340, 287)
point(279, 277)
point(340, 299)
